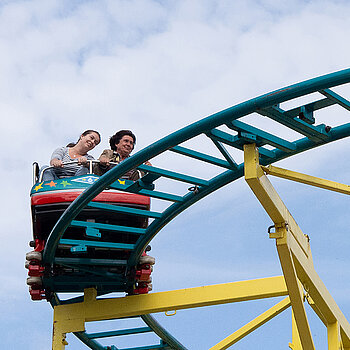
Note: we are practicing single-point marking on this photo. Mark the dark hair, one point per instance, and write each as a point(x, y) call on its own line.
point(115, 139)
point(86, 132)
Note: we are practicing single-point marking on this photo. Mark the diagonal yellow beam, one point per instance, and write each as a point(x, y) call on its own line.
point(295, 292)
point(307, 179)
point(296, 343)
point(105, 309)
point(325, 306)
point(252, 325)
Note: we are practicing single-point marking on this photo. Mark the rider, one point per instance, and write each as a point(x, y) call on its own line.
point(73, 151)
point(122, 144)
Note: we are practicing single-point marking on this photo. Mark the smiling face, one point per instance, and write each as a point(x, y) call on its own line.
point(90, 140)
point(125, 146)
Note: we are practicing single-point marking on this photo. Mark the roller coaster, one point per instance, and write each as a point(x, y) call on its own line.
point(92, 234)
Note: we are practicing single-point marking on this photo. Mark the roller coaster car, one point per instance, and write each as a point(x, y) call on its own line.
point(79, 258)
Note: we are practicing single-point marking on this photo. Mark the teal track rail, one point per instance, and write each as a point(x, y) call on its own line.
point(272, 148)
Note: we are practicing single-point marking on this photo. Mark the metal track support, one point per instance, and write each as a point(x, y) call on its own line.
point(72, 317)
point(295, 254)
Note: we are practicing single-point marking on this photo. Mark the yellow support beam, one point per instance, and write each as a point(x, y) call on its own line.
point(326, 313)
point(333, 333)
point(63, 326)
point(69, 323)
point(72, 317)
point(253, 325)
point(293, 246)
point(307, 179)
point(324, 305)
point(295, 292)
point(106, 309)
point(296, 343)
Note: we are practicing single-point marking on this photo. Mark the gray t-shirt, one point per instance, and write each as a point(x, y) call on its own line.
point(62, 154)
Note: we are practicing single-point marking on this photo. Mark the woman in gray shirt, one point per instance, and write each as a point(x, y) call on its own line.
point(73, 151)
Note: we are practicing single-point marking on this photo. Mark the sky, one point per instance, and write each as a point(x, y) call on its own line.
point(154, 67)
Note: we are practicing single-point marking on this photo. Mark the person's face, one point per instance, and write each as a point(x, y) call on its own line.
point(90, 140)
point(125, 145)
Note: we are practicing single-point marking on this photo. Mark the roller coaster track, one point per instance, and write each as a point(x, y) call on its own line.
point(226, 131)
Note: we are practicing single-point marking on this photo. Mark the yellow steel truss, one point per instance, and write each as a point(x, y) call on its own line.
point(299, 282)
point(295, 255)
point(72, 317)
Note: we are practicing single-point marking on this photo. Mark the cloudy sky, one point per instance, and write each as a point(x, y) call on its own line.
point(154, 67)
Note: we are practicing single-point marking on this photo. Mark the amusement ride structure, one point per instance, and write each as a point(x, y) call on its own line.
point(92, 234)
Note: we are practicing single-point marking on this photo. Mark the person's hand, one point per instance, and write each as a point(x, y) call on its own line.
point(104, 160)
point(56, 163)
point(82, 160)
point(148, 163)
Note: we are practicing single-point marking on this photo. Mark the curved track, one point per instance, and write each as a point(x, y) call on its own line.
point(222, 129)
